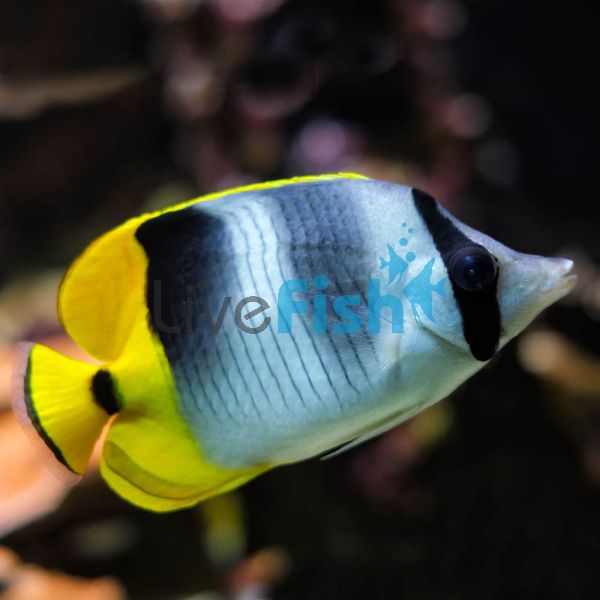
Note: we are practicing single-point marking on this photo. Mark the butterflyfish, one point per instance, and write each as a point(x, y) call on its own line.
point(268, 324)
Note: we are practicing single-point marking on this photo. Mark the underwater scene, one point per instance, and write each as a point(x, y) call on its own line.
point(299, 300)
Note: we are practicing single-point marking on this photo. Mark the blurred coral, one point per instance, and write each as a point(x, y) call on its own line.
point(254, 576)
point(27, 489)
point(28, 306)
point(25, 99)
point(560, 363)
point(383, 469)
point(224, 528)
point(6, 367)
point(571, 379)
point(27, 582)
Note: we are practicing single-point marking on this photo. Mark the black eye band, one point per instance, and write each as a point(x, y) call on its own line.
point(472, 268)
point(473, 273)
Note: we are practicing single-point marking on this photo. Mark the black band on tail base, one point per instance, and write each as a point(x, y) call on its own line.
point(103, 390)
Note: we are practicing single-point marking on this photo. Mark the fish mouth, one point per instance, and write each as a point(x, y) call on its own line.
point(560, 279)
point(566, 284)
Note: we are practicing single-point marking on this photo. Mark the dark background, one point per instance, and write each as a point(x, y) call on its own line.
point(108, 108)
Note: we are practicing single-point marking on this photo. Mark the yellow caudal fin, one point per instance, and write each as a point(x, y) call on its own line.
point(53, 400)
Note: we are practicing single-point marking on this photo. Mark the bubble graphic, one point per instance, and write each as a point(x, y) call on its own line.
point(411, 230)
point(410, 256)
point(320, 282)
point(403, 224)
point(403, 241)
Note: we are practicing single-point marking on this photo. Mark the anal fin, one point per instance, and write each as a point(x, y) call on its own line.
point(374, 431)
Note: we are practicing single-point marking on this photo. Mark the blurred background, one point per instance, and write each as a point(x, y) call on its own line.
point(110, 108)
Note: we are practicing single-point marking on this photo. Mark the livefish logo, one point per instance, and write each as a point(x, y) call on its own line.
point(350, 315)
point(419, 290)
point(314, 302)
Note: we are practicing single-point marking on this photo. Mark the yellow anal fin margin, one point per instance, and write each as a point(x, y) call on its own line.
point(150, 492)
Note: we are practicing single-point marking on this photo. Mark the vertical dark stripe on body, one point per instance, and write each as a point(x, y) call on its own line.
point(308, 333)
point(318, 246)
point(350, 223)
point(479, 310)
point(185, 256)
point(301, 252)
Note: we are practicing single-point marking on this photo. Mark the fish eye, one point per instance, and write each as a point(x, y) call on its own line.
point(473, 268)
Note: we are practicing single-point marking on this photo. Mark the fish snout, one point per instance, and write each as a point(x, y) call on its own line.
point(558, 278)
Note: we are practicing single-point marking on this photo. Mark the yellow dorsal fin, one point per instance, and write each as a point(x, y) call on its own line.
point(96, 305)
